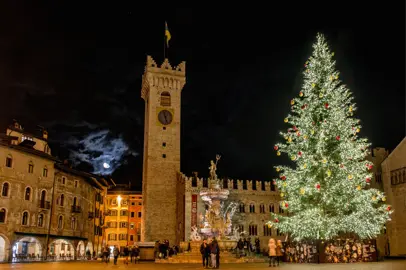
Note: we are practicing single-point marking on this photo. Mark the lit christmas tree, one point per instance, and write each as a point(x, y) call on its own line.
point(327, 192)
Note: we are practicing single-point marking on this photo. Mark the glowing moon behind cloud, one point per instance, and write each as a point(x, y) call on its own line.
point(106, 165)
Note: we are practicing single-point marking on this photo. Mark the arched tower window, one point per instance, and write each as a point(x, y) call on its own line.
point(3, 214)
point(252, 208)
point(30, 167)
point(9, 161)
point(165, 99)
point(271, 208)
point(5, 190)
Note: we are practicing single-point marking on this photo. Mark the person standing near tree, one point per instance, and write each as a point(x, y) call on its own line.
point(272, 252)
point(279, 251)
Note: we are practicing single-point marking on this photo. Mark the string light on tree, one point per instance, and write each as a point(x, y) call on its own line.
point(330, 161)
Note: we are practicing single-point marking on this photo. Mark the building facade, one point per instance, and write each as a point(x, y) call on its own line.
point(47, 209)
point(394, 184)
point(123, 218)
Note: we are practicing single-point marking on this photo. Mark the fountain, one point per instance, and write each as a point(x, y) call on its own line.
point(216, 222)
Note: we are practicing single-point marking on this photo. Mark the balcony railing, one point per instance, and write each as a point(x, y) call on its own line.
point(76, 209)
point(44, 205)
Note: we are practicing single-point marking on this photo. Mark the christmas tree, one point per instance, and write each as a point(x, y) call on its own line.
point(326, 193)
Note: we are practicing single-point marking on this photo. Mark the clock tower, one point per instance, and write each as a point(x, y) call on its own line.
point(161, 90)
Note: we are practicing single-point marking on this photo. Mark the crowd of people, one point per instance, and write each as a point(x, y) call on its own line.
point(133, 252)
point(162, 250)
point(275, 250)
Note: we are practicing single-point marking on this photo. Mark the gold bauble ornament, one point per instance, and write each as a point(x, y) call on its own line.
point(284, 184)
point(329, 173)
point(286, 120)
point(277, 169)
point(373, 198)
point(305, 137)
point(292, 102)
point(312, 132)
point(358, 187)
point(302, 191)
point(313, 85)
point(278, 153)
point(336, 77)
point(304, 166)
point(358, 130)
point(289, 139)
point(350, 177)
point(282, 194)
point(350, 109)
point(331, 78)
point(300, 94)
point(269, 226)
point(383, 199)
point(286, 137)
point(324, 161)
point(320, 95)
point(293, 158)
point(332, 54)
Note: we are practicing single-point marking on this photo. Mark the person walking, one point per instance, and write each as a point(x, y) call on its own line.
point(116, 252)
point(214, 251)
point(205, 251)
point(279, 251)
point(257, 246)
point(272, 252)
point(136, 252)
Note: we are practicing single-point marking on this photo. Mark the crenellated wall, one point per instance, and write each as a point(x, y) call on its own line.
point(262, 198)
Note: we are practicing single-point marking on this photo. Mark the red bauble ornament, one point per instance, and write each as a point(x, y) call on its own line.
point(300, 153)
point(274, 182)
point(283, 177)
point(318, 186)
point(286, 205)
point(368, 180)
point(294, 128)
point(337, 138)
point(303, 106)
point(276, 220)
point(370, 166)
point(341, 165)
point(388, 208)
point(326, 105)
point(298, 133)
point(275, 147)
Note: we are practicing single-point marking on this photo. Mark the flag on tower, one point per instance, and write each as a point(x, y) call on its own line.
point(167, 34)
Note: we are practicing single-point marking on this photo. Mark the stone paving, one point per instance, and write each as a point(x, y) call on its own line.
point(390, 265)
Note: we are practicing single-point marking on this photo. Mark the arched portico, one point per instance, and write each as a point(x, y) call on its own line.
point(4, 248)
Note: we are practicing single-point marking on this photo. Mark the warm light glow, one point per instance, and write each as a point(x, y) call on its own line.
point(119, 198)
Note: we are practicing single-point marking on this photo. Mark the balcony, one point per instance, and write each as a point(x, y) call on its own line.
point(90, 215)
point(76, 209)
point(44, 205)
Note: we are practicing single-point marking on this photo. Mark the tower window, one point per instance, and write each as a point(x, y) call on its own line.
point(30, 167)
point(164, 155)
point(164, 144)
point(165, 99)
point(9, 161)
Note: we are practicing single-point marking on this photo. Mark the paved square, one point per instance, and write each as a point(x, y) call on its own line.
point(390, 265)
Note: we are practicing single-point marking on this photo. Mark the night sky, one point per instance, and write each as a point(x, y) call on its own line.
point(76, 70)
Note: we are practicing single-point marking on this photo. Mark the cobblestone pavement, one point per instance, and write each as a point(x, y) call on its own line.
point(390, 265)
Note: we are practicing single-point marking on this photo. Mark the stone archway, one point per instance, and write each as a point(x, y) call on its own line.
point(62, 249)
point(4, 248)
point(81, 250)
point(27, 248)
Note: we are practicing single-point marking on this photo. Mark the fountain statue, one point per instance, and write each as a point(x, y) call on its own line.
point(217, 220)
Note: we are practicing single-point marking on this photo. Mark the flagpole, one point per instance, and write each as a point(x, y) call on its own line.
point(164, 40)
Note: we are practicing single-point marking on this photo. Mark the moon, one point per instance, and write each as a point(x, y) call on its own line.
point(106, 165)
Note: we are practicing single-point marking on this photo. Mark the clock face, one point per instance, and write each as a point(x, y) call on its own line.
point(165, 117)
